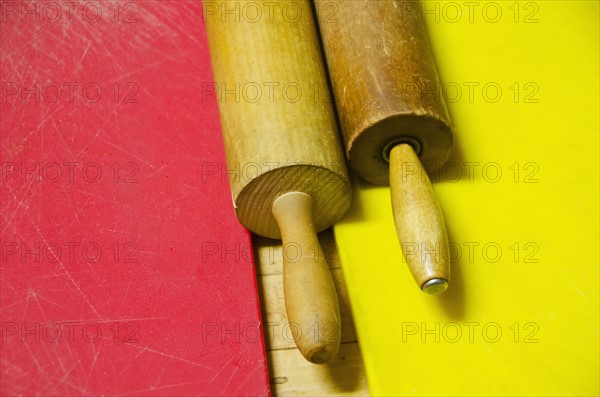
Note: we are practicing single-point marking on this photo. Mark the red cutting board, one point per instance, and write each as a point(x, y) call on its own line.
point(123, 268)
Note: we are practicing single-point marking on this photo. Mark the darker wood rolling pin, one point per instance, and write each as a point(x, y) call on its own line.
point(394, 125)
point(280, 135)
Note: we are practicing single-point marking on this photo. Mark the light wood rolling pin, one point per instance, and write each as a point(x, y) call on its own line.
point(281, 137)
point(384, 82)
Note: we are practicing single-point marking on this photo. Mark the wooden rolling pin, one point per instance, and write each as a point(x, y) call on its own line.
point(394, 124)
point(287, 169)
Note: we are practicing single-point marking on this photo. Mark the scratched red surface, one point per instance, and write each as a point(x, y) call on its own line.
point(123, 270)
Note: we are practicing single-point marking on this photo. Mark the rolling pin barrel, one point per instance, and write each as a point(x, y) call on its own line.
point(289, 178)
point(386, 89)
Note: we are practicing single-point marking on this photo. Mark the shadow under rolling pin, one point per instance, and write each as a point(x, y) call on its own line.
point(280, 135)
point(395, 126)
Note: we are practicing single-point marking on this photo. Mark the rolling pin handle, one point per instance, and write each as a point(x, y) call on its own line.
point(419, 221)
point(310, 298)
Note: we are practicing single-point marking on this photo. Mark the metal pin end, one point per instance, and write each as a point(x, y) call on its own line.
point(435, 286)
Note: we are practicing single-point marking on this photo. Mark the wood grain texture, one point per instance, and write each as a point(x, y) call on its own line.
point(269, 253)
point(419, 220)
point(290, 374)
point(289, 178)
point(310, 299)
point(278, 335)
point(385, 82)
point(293, 376)
point(276, 113)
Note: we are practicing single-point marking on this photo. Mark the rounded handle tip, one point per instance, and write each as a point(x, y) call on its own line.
point(310, 298)
point(419, 221)
point(435, 286)
point(322, 353)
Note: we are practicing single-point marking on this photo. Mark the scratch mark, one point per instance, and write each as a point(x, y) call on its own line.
point(92, 366)
point(78, 66)
point(221, 370)
point(127, 152)
point(152, 388)
point(62, 266)
point(146, 348)
point(230, 378)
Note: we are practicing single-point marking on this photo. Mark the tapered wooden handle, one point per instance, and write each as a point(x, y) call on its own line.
point(419, 221)
point(310, 299)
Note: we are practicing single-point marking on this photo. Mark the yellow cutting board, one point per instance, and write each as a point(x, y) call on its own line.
point(520, 198)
